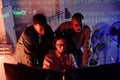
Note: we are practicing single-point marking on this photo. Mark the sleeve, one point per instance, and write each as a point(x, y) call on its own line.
point(72, 63)
point(87, 49)
point(28, 42)
point(24, 49)
point(47, 62)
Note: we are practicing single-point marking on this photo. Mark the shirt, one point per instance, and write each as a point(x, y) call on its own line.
point(53, 62)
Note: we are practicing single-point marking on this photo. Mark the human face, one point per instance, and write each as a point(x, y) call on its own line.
point(76, 25)
point(40, 30)
point(61, 45)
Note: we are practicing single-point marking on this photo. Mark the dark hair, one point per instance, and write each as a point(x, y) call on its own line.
point(56, 38)
point(78, 16)
point(39, 19)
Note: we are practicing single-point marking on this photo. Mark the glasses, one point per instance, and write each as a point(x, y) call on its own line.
point(60, 45)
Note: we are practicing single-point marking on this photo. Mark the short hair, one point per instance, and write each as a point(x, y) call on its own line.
point(39, 19)
point(56, 38)
point(78, 16)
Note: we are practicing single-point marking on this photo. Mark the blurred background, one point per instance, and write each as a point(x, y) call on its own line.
point(103, 17)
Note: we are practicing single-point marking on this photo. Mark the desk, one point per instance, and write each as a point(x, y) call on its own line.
point(21, 72)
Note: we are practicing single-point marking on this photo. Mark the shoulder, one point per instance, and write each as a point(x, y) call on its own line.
point(86, 28)
point(65, 25)
point(29, 30)
point(67, 22)
point(48, 28)
point(30, 33)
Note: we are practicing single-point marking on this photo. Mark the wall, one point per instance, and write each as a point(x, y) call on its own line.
point(99, 15)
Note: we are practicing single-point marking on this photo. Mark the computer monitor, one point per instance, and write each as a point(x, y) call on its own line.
point(22, 72)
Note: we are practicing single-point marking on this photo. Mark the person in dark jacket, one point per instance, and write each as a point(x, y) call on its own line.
point(34, 42)
point(78, 36)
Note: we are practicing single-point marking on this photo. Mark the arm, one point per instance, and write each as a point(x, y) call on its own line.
point(24, 49)
point(31, 45)
point(87, 50)
point(73, 62)
point(29, 42)
point(70, 62)
point(47, 63)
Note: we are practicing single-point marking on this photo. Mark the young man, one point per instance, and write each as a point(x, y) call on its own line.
point(59, 59)
point(78, 35)
point(34, 42)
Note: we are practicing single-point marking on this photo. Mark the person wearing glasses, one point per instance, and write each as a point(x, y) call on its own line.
point(59, 59)
point(78, 36)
